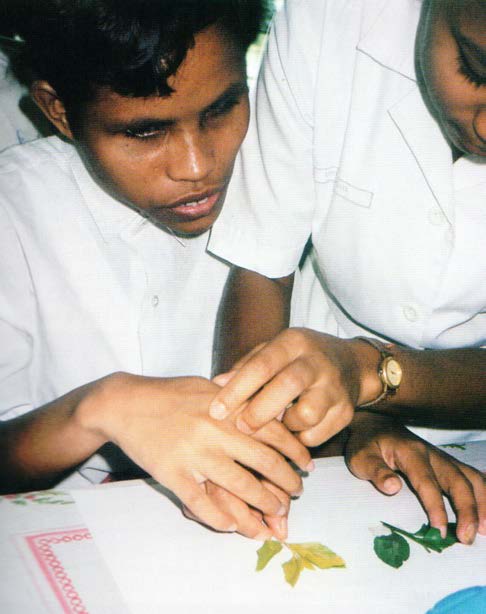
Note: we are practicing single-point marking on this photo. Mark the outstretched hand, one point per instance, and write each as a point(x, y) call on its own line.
point(379, 449)
point(164, 426)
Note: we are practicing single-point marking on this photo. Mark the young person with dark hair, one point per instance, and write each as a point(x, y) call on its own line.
point(107, 294)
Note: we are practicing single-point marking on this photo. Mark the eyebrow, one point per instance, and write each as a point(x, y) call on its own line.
point(140, 124)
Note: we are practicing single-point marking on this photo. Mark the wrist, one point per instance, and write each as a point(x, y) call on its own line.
point(367, 359)
point(94, 409)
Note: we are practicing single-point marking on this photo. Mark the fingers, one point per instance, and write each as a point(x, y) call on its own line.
point(259, 369)
point(200, 504)
point(277, 436)
point(328, 423)
point(268, 463)
point(477, 480)
point(249, 521)
point(275, 396)
point(468, 500)
point(242, 483)
point(369, 465)
point(278, 524)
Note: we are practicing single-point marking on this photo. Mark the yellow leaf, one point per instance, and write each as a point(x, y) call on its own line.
point(307, 564)
point(318, 555)
point(292, 569)
point(266, 553)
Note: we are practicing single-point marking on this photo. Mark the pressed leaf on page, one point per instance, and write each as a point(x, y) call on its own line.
point(266, 553)
point(292, 569)
point(304, 556)
point(393, 549)
point(317, 554)
point(429, 537)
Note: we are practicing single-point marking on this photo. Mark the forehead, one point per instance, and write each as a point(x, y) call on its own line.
point(213, 64)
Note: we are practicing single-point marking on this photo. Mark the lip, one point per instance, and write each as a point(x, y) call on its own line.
point(191, 207)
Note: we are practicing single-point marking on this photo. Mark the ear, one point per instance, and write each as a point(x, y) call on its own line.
point(46, 98)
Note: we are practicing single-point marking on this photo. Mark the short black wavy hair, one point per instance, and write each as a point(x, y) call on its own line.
point(129, 46)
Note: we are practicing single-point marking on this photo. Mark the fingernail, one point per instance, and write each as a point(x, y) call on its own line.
point(470, 533)
point(218, 410)
point(283, 527)
point(390, 485)
point(263, 536)
point(232, 528)
point(297, 493)
point(282, 511)
point(310, 467)
point(243, 426)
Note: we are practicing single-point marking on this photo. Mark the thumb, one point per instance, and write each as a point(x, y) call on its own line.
point(373, 468)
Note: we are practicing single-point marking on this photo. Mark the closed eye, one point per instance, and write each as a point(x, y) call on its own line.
point(470, 74)
point(143, 133)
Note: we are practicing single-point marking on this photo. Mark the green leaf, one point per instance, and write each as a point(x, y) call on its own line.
point(317, 554)
point(292, 569)
point(429, 537)
point(392, 549)
point(266, 553)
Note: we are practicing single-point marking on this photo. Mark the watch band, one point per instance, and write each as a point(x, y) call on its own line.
point(383, 349)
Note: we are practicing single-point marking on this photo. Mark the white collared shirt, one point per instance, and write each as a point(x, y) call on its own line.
point(89, 287)
point(342, 150)
point(15, 124)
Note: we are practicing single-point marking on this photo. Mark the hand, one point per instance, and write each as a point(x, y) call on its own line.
point(163, 425)
point(250, 522)
point(378, 447)
point(310, 378)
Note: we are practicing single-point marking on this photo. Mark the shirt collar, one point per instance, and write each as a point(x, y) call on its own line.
point(112, 217)
point(391, 38)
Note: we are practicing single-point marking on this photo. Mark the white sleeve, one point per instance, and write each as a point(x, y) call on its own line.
point(16, 324)
point(267, 216)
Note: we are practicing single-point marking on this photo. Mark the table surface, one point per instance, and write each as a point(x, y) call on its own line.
point(124, 548)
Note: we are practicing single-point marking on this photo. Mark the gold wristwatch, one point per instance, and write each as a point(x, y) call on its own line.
point(389, 370)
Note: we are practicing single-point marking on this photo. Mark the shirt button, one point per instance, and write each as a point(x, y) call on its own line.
point(410, 313)
point(436, 217)
point(155, 300)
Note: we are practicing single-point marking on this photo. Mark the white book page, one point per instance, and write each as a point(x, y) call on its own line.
point(163, 562)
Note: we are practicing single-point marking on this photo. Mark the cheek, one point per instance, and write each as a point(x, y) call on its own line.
point(130, 173)
point(231, 139)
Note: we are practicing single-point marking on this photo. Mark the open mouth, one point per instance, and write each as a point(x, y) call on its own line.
point(196, 208)
point(187, 210)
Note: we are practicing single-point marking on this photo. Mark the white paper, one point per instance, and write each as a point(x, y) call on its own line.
point(163, 562)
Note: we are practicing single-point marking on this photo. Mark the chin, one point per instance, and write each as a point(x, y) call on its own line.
point(189, 229)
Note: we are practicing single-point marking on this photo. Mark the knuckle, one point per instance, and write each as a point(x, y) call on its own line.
point(193, 500)
point(308, 413)
point(310, 439)
point(270, 462)
point(263, 367)
point(244, 482)
point(293, 380)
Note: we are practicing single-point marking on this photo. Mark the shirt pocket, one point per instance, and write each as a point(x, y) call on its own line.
point(342, 188)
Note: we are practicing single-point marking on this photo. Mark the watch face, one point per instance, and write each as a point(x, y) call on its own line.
point(393, 372)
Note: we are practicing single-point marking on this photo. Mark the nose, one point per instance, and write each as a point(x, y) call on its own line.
point(480, 124)
point(190, 156)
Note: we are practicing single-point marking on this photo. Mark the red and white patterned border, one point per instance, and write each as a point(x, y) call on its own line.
point(41, 546)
